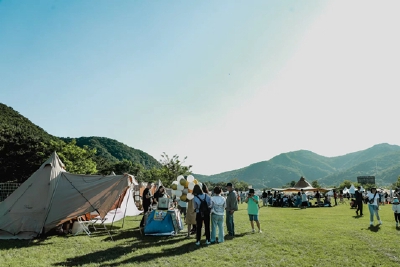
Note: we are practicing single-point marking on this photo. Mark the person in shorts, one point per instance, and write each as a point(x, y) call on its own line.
point(252, 209)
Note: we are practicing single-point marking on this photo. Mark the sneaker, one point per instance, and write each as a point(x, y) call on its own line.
point(380, 222)
point(253, 231)
point(371, 223)
point(260, 231)
point(198, 243)
point(208, 242)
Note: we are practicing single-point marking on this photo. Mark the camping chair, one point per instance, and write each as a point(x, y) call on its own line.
point(100, 222)
point(83, 226)
point(97, 220)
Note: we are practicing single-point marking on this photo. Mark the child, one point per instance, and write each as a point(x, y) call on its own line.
point(252, 209)
point(396, 209)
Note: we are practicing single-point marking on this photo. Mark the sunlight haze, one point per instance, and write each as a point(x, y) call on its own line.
point(225, 83)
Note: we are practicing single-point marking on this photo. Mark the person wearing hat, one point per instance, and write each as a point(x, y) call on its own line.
point(231, 207)
point(396, 210)
point(359, 201)
point(373, 206)
point(252, 209)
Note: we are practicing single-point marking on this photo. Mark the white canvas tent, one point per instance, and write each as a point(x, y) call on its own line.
point(352, 189)
point(127, 208)
point(346, 190)
point(52, 195)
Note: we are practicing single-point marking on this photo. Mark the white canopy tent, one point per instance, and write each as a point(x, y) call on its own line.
point(352, 189)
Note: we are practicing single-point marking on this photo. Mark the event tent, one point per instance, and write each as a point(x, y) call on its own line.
point(52, 196)
point(305, 185)
point(126, 208)
point(352, 189)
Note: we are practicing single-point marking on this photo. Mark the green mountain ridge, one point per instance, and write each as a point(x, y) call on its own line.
point(113, 150)
point(328, 171)
point(24, 146)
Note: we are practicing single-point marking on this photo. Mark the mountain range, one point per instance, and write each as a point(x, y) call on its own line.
point(22, 150)
point(382, 161)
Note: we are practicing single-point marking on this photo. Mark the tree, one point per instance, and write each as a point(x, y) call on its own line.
point(397, 183)
point(290, 184)
point(170, 170)
point(345, 183)
point(126, 166)
point(239, 185)
point(315, 184)
point(76, 160)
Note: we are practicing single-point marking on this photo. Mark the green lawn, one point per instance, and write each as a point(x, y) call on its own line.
point(291, 237)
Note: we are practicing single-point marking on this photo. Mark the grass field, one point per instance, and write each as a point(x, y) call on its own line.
point(291, 237)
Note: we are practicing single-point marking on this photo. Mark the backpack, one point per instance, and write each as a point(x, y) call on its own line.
point(203, 209)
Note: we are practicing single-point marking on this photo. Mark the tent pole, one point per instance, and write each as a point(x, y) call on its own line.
point(89, 204)
point(112, 223)
point(123, 219)
point(51, 202)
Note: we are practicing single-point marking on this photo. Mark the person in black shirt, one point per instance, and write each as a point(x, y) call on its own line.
point(318, 197)
point(160, 193)
point(265, 198)
point(359, 201)
point(146, 198)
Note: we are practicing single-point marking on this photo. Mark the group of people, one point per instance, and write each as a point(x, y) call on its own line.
point(211, 208)
point(373, 199)
point(208, 210)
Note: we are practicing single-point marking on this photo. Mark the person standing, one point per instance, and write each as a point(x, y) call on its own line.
point(298, 200)
point(318, 197)
point(252, 209)
point(265, 198)
point(182, 205)
point(304, 200)
point(335, 197)
point(231, 207)
point(146, 202)
point(202, 204)
point(359, 201)
point(218, 205)
point(146, 198)
point(373, 206)
point(396, 210)
point(190, 218)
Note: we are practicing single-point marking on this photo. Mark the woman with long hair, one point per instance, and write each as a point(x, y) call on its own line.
point(202, 204)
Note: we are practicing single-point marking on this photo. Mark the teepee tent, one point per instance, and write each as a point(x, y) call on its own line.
point(52, 196)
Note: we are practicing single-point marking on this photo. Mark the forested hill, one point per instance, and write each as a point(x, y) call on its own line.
point(382, 160)
point(24, 146)
point(113, 150)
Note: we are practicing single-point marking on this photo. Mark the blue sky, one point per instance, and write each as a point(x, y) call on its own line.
point(226, 83)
